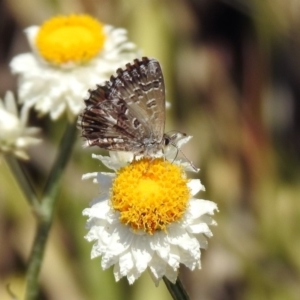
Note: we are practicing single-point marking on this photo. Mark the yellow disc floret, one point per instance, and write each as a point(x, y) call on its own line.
point(150, 194)
point(70, 39)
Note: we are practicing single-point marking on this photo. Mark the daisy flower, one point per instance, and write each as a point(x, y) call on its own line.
point(147, 217)
point(69, 54)
point(15, 137)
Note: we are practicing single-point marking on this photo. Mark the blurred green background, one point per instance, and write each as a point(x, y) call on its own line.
point(232, 71)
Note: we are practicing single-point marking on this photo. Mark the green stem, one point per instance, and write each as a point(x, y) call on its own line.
point(176, 290)
point(23, 181)
point(45, 217)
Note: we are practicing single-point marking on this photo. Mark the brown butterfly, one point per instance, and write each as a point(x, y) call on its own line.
point(127, 113)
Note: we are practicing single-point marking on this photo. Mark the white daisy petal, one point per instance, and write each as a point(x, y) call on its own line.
point(95, 231)
point(183, 140)
point(133, 275)
point(157, 268)
point(171, 274)
point(31, 33)
point(200, 207)
point(201, 228)
point(105, 182)
point(191, 259)
point(122, 240)
point(195, 186)
point(202, 240)
point(89, 176)
point(10, 103)
point(15, 137)
point(116, 160)
point(187, 165)
point(117, 272)
point(120, 158)
point(126, 263)
point(160, 245)
point(99, 210)
point(174, 257)
point(208, 220)
point(141, 252)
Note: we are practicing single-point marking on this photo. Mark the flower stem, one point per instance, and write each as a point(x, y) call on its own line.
point(45, 216)
point(23, 181)
point(176, 290)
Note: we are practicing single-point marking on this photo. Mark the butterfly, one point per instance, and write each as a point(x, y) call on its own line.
point(127, 113)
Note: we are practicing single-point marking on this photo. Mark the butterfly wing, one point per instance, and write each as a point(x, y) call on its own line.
point(128, 112)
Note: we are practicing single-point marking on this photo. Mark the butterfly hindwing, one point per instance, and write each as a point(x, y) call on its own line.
point(144, 92)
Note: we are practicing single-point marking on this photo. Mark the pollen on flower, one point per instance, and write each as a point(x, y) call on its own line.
point(150, 194)
point(74, 38)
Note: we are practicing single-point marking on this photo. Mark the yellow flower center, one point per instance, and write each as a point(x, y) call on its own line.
point(74, 38)
point(150, 194)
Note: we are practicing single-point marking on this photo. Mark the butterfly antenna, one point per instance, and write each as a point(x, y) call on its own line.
point(189, 161)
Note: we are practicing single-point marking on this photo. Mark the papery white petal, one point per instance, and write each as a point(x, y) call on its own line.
point(112, 162)
point(89, 176)
point(195, 186)
point(99, 210)
point(31, 33)
point(10, 103)
point(105, 182)
point(202, 240)
point(141, 252)
point(157, 269)
point(126, 263)
point(15, 137)
point(174, 257)
point(133, 275)
point(187, 165)
point(171, 274)
point(200, 207)
point(200, 228)
point(160, 245)
point(183, 140)
point(121, 158)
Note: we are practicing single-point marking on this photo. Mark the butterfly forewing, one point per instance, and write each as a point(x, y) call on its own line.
point(145, 95)
point(128, 112)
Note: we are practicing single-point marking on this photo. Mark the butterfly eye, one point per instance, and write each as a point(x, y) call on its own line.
point(167, 141)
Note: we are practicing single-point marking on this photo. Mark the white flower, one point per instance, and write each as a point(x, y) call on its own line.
point(15, 137)
point(69, 55)
point(147, 218)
